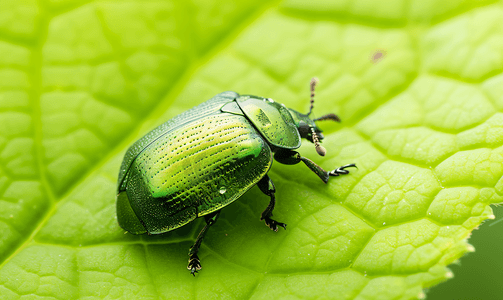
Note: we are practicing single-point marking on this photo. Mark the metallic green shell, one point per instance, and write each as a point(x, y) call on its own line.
point(190, 171)
point(204, 109)
point(272, 119)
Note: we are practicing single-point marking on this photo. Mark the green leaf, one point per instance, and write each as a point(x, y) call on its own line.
point(418, 85)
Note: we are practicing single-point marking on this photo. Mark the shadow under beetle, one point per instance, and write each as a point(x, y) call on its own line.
point(205, 158)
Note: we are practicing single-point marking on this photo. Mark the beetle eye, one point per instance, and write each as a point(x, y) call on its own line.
point(304, 129)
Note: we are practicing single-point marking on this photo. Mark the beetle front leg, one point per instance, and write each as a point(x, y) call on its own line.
point(194, 263)
point(267, 187)
point(290, 157)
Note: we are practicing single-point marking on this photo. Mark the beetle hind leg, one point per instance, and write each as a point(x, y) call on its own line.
point(194, 263)
point(267, 187)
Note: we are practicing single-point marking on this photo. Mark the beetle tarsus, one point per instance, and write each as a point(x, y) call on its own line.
point(273, 224)
point(194, 264)
point(341, 170)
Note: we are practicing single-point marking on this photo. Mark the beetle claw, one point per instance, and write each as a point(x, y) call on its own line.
point(341, 171)
point(273, 224)
point(194, 265)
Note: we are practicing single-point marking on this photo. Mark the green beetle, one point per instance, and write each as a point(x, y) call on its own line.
point(205, 158)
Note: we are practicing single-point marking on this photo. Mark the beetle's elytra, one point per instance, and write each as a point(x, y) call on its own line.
point(205, 158)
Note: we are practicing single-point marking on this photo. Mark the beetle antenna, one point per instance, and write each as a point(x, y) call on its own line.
point(319, 148)
point(332, 117)
point(312, 85)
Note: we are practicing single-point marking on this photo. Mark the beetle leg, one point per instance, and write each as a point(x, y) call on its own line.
point(290, 157)
point(267, 187)
point(324, 175)
point(194, 263)
point(340, 170)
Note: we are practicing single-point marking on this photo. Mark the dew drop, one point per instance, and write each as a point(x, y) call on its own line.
point(222, 190)
point(383, 223)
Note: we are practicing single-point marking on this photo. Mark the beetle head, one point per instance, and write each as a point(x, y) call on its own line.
point(308, 130)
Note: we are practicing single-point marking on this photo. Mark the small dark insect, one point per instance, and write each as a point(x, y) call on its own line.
point(207, 157)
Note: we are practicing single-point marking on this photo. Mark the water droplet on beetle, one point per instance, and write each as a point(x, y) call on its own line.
point(222, 190)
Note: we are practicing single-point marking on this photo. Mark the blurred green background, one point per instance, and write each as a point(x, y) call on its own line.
point(477, 275)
